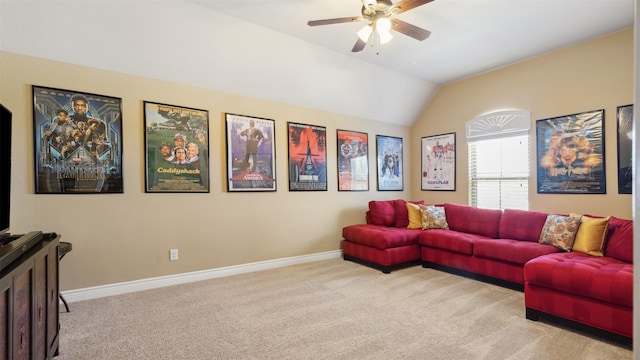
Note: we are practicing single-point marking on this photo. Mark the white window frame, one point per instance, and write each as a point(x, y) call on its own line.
point(494, 126)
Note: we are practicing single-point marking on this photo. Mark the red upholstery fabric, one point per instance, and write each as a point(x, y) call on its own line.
point(380, 237)
point(402, 214)
point(448, 258)
point(473, 220)
point(609, 317)
point(522, 224)
point(382, 213)
point(498, 269)
point(449, 240)
point(603, 278)
point(620, 239)
point(386, 257)
point(515, 251)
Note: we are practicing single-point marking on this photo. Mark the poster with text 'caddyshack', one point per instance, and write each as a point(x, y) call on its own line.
point(177, 149)
point(78, 142)
point(307, 157)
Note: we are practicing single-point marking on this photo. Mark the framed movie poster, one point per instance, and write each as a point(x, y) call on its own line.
point(251, 153)
point(307, 157)
point(78, 142)
point(625, 149)
point(176, 149)
point(353, 161)
point(439, 162)
point(570, 154)
point(389, 163)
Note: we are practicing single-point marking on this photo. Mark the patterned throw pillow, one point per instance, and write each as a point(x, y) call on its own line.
point(433, 217)
point(560, 231)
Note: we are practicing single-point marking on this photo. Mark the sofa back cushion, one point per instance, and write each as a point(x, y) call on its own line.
point(522, 224)
point(473, 220)
point(619, 243)
point(402, 213)
point(382, 213)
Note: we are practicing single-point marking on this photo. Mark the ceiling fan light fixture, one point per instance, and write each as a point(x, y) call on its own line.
point(365, 33)
point(385, 37)
point(383, 28)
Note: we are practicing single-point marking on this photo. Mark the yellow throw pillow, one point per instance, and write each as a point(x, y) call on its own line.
point(591, 235)
point(415, 217)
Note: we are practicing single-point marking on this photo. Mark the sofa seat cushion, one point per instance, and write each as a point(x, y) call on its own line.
point(380, 237)
point(602, 278)
point(513, 251)
point(449, 240)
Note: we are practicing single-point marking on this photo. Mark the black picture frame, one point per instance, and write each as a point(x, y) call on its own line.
point(251, 153)
point(176, 149)
point(438, 154)
point(389, 162)
point(307, 157)
point(571, 154)
point(353, 160)
point(78, 142)
point(624, 120)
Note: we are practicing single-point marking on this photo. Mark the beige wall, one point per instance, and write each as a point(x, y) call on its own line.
point(589, 76)
point(123, 237)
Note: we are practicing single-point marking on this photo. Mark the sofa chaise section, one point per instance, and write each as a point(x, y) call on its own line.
point(596, 291)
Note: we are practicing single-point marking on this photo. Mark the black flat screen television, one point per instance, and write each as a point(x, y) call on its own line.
point(5, 170)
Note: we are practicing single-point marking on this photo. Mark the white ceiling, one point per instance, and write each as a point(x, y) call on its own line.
point(467, 36)
point(263, 49)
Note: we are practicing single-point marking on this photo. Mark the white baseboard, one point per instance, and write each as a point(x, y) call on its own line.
point(162, 281)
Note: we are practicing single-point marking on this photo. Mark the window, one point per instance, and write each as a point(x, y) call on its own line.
point(499, 160)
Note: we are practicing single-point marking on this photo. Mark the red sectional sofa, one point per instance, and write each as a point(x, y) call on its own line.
point(504, 247)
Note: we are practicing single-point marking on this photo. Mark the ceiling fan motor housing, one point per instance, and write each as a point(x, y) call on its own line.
point(381, 8)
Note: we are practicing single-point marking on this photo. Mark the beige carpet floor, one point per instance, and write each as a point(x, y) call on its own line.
point(331, 309)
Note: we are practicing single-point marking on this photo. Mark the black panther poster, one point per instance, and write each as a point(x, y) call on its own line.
point(78, 142)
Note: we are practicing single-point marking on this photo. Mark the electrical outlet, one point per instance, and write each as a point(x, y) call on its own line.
point(173, 254)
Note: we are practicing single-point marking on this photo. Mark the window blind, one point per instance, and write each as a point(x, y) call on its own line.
point(499, 172)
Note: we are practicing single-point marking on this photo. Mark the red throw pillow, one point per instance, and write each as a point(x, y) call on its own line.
point(402, 214)
point(382, 213)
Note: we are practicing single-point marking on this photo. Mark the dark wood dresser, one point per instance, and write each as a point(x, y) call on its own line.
point(29, 303)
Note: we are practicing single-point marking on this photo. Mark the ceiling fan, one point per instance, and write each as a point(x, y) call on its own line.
point(380, 16)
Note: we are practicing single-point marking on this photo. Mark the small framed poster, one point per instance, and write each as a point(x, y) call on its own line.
point(439, 162)
point(353, 161)
point(251, 153)
point(176, 149)
point(307, 157)
point(389, 160)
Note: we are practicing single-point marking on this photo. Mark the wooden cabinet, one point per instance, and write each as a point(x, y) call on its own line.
point(29, 305)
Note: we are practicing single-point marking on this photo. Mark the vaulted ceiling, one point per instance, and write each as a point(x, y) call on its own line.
point(264, 48)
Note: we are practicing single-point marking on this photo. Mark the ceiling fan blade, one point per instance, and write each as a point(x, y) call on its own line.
point(334, 21)
point(409, 30)
point(407, 5)
point(359, 46)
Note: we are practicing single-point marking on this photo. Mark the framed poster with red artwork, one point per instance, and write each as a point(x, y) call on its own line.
point(307, 157)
